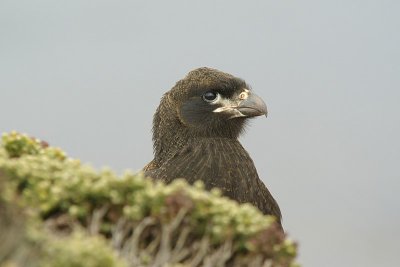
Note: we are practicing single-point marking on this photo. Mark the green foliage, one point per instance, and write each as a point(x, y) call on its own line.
point(131, 217)
point(80, 249)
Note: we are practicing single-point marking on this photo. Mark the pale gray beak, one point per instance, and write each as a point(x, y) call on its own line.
point(252, 106)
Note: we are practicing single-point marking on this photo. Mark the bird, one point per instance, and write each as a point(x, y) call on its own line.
point(195, 136)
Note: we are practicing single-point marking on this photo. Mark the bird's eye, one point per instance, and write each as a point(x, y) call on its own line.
point(210, 96)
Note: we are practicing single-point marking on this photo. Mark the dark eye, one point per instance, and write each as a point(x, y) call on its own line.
point(210, 96)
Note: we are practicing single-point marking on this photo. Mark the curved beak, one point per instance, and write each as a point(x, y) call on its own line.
point(249, 105)
point(252, 106)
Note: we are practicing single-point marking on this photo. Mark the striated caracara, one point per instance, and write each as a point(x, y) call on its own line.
point(195, 135)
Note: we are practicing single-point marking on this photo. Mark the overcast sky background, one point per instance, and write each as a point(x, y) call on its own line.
point(88, 75)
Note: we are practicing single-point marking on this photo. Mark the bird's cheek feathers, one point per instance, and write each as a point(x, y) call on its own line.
point(196, 112)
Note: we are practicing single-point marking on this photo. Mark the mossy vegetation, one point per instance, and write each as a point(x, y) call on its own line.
point(56, 211)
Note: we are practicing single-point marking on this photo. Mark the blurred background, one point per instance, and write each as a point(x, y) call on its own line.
point(88, 75)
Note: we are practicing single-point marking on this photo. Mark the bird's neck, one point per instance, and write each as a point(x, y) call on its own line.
point(172, 140)
point(170, 145)
point(169, 134)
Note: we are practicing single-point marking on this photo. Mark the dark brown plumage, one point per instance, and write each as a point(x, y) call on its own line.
point(195, 131)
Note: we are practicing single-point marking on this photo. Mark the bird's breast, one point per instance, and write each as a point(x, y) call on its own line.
point(218, 162)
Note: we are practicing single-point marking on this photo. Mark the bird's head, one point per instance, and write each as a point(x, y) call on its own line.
point(207, 103)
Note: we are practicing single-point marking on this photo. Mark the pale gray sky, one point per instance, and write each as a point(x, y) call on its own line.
point(88, 75)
